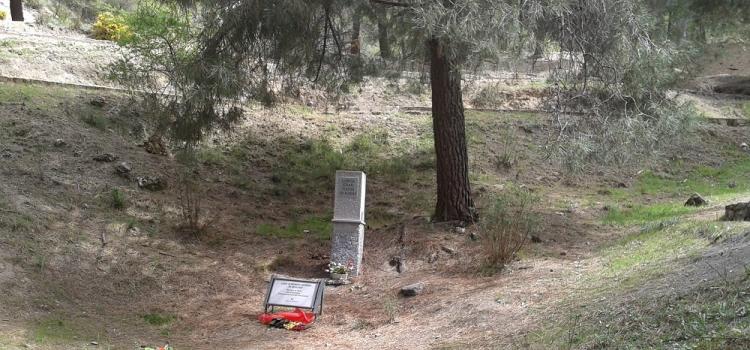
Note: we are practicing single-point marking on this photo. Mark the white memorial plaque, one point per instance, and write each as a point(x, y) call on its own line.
point(292, 292)
point(347, 241)
point(349, 203)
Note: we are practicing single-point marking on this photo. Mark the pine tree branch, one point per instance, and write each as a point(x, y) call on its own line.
point(390, 3)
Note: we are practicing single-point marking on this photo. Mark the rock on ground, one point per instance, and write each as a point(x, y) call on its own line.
point(737, 212)
point(412, 289)
point(123, 169)
point(152, 183)
point(106, 157)
point(696, 201)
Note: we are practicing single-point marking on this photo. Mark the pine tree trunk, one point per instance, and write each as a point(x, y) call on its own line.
point(454, 202)
point(16, 10)
point(385, 44)
point(356, 29)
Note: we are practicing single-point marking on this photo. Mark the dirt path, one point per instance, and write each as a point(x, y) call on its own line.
point(56, 58)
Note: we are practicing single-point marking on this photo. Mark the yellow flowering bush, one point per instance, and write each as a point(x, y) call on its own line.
point(3, 15)
point(111, 27)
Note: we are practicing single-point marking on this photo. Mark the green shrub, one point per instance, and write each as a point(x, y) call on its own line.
point(3, 15)
point(156, 319)
point(95, 121)
point(34, 4)
point(489, 97)
point(111, 27)
point(156, 21)
point(118, 199)
point(506, 226)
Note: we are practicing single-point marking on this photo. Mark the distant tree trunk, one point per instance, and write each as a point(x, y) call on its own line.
point(454, 202)
point(16, 10)
point(384, 43)
point(356, 29)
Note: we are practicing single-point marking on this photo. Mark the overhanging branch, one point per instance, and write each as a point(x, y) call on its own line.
point(390, 3)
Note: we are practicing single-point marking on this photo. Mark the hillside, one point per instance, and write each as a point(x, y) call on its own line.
point(618, 261)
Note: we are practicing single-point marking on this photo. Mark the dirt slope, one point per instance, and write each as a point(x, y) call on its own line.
point(76, 270)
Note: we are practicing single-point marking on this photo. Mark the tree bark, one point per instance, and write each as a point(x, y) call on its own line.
point(454, 201)
point(383, 42)
point(16, 10)
point(356, 29)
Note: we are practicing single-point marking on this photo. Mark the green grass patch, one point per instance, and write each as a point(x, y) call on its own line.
point(9, 43)
point(708, 181)
point(96, 121)
point(652, 247)
point(640, 214)
point(474, 117)
point(118, 200)
point(746, 109)
point(713, 316)
point(157, 319)
point(301, 111)
point(53, 331)
point(312, 166)
point(319, 227)
point(21, 93)
point(15, 222)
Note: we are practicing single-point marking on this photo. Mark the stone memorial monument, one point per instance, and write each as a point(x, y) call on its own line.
point(347, 241)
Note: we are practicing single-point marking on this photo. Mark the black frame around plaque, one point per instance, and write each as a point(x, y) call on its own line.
point(318, 300)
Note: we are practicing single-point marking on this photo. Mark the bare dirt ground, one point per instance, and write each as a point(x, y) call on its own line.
point(721, 89)
point(74, 270)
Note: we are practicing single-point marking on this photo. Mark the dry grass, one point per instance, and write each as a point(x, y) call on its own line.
point(506, 226)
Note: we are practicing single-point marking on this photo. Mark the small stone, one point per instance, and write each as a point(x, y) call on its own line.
point(448, 250)
point(98, 101)
point(106, 157)
point(60, 143)
point(474, 236)
point(155, 145)
point(307, 232)
point(123, 169)
point(152, 183)
point(336, 283)
point(695, 201)
point(399, 263)
point(745, 147)
point(460, 230)
point(412, 289)
point(77, 153)
point(94, 343)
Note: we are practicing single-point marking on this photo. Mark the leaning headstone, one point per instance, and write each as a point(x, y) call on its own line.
point(347, 242)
